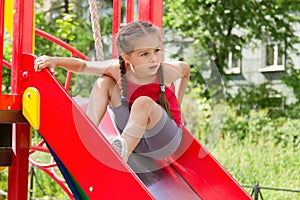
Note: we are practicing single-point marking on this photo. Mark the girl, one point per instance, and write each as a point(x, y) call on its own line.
point(139, 89)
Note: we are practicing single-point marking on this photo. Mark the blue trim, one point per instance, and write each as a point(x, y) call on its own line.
point(65, 174)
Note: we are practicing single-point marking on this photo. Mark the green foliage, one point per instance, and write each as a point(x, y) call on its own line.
point(218, 27)
point(293, 111)
point(257, 97)
point(67, 29)
point(43, 186)
point(7, 55)
point(258, 127)
point(196, 112)
point(293, 81)
point(206, 118)
point(78, 33)
point(3, 180)
point(254, 148)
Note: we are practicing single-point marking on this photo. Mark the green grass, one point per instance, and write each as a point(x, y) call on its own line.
point(255, 148)
point(262, 163)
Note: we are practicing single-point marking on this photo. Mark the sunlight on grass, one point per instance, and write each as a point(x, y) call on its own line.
point(263, 163)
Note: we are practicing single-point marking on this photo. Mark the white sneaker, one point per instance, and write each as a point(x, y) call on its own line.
point(120, 145)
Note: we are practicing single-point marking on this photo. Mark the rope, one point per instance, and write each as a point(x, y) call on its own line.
point(96, 30)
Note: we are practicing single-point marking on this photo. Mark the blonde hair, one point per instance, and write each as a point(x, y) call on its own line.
point(128, 34)
point(125, 44)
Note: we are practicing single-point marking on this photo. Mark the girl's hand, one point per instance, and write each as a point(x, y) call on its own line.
point(44, 62)
point(183, 119)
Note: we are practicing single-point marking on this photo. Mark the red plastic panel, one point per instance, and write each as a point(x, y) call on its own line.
point(90, 159)
point(78, 143)
point(10, 102)
point(204, 173)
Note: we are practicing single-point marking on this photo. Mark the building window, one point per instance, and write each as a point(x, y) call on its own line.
point(233, 64)
point(274, 58)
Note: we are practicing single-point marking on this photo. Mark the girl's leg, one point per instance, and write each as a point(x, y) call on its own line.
point(162, 140)
point(145, 114)
point(147, 130)
point(105, 91)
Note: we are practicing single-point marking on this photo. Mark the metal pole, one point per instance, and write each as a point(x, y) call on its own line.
point(116, 25)
point(129, 11)
point(31, 173)
point(22, 43)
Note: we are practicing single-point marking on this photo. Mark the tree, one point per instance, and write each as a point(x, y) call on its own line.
point(222, 26)
point(69, 20)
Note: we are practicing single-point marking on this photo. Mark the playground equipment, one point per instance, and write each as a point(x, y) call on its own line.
point(92, 169)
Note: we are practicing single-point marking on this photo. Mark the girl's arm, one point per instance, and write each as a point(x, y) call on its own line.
point(178, 71)
point(183, 83)
point(77, 65)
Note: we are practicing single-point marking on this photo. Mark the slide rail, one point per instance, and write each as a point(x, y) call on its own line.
point(50, 168)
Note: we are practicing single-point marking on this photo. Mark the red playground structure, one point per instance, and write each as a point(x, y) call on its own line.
point(90, 167)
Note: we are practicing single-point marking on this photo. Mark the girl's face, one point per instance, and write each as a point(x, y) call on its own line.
point(146, 56)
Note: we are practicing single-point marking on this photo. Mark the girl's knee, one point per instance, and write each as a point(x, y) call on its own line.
point(143, 102)
point(107, 85)
point(105, 82)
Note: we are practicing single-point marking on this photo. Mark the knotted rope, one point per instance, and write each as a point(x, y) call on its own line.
point(96, 30)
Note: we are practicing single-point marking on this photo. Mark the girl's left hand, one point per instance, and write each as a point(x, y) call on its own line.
point(183, 120)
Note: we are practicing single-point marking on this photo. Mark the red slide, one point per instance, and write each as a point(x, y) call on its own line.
point(191, 173)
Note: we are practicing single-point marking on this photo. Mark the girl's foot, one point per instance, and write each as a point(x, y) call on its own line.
point(120, 145)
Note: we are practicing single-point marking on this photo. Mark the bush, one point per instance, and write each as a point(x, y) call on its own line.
point(255, 148)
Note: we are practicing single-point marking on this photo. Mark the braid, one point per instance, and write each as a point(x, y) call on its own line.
point(162, 98)
point(123, 78)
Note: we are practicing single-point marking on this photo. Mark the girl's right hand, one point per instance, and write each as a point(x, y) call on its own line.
point(44, 62)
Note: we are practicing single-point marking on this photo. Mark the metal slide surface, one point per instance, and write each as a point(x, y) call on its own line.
point(192, 173)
